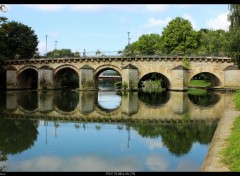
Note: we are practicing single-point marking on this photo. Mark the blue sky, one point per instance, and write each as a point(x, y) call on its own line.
point(105, 27)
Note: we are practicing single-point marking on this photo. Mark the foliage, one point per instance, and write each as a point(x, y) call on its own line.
point(234, 33)
point(178, 37)
point(236, 99)
point(146, 44)
point(231, 153)
point(154, 98)
point(178, 138)
point(199, 83)
point(124, 85)
point(152, 84)
point(12, 133)
point(212, 42)
point(118, 85)
point(186, 63)
point(61, 53)
point(18, 41)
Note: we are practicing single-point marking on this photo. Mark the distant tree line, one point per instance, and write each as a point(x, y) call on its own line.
point(179, 38)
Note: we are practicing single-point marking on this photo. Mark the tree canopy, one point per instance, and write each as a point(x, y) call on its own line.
point(18, 41)
point(179, 38)
point(234, 33)
point(61, 53)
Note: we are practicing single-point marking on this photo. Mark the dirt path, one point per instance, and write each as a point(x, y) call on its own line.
point(212, 161)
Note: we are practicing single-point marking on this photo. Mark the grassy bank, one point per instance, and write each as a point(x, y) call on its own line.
point(231, 153)
point(199, 83)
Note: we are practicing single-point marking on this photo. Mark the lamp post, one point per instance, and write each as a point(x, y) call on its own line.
point(46, 45)
point(55, 45)
point(128, 39)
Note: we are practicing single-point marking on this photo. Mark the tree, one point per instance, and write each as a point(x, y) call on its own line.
point(212, 42)
point(2, 9)
point(18, 41)
point(60, 53)
point(178, 37)
point(147, 44)
point(234, 33)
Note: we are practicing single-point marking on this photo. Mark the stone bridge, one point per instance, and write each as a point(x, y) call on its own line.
point(47, 73)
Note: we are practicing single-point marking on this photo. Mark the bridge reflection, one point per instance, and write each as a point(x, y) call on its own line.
point(110, 106)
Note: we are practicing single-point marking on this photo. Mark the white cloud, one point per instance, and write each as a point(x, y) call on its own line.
point(42, 47)
point(157, 163)
point(156, 8)
point(190, 18)
point(153, 22)
point(85, 7)
point(47, 7)
point(152, 144)
point(220, 22)
point(79, 163)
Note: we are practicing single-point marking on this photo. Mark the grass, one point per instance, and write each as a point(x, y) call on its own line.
point(199, 83)
point(231, 153)
point(236, 99)
point(152, 83)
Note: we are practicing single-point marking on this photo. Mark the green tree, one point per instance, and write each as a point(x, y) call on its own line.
point(178, 37)
point(60, 53)
point(148, 44)
point(212, 42)
point(2, 9)
point(18, 41)
point(234, 33)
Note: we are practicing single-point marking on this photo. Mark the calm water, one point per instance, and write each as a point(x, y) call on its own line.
point(106, 131)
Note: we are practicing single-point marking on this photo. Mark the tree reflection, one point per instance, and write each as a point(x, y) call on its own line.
point(178, 138)
point(154, 98)
point(17, 135)
point(28, 100)
point(204, 98)
point(67, 100)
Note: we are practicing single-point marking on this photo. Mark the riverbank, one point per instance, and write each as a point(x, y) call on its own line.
point(213, 158)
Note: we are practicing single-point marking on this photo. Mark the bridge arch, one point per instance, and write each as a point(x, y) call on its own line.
point(155, 76)
point(66, 66)
point(27, 67)
point(103, 68)
point(28, 77)
point(66, 76)
point(214, 79)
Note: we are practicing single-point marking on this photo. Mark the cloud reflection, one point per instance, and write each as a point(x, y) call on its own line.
point(81, 164)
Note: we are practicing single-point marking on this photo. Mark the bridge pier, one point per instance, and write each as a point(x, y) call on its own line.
point(11, 80)
point(86, 78)
point(130, 76)
point(130, 103)
point(231, 77)
point(45, 101)
point(45, 78)
point(180, 77)
point(87, 101)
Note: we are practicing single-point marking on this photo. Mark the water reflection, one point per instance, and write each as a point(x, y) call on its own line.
point(17, 135)
point(203, 97)
point(154, 98)
point(105, 131)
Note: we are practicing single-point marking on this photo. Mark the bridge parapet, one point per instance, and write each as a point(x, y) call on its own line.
point(117, 58)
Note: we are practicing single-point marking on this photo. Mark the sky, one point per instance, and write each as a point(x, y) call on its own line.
point(108, 27)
